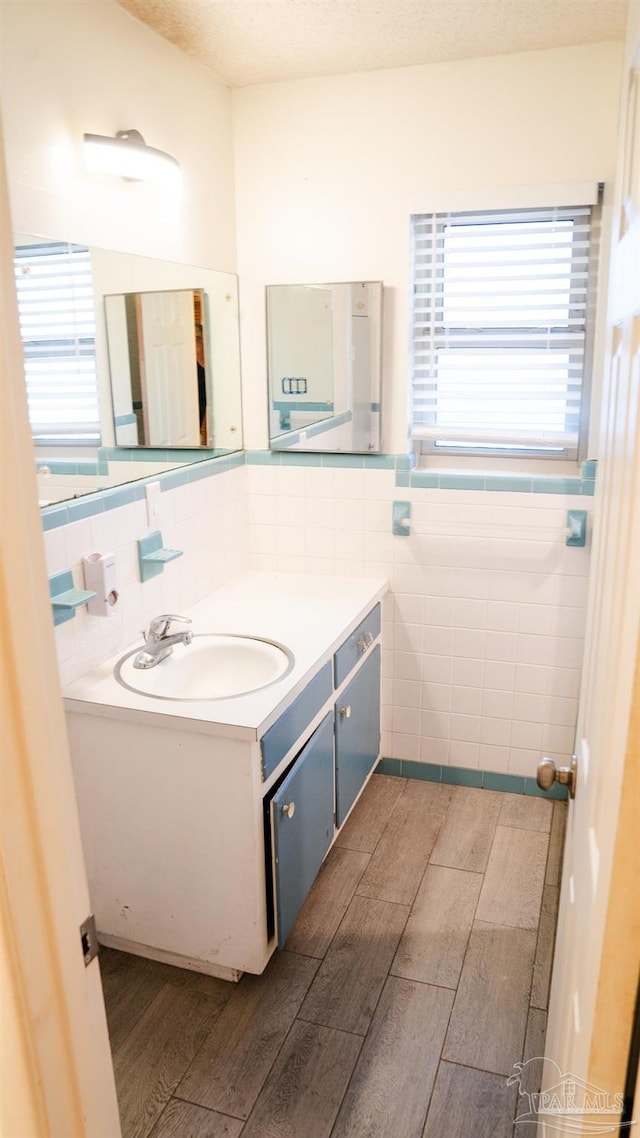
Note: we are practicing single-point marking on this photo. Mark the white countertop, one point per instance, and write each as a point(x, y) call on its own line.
point(310, 615)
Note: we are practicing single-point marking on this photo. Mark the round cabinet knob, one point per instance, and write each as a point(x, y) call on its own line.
point(548, 773)
point(288, 809)
point(345, 712)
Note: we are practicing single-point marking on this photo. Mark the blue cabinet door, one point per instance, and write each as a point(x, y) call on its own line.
point(357, 733)
point(302, 824)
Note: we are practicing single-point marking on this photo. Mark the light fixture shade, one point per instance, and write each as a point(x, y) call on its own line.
point(128, 156)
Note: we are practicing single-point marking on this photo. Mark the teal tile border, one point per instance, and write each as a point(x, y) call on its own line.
point(464, 776)
point(64, 466)
point(406, 476)
point(263, 457)
point(509, 482)
point(461, 481)
point(406, 461)
point(300, 459)
point(81, 508)
point(454, 480)
point(381, 461)
point(355, 461)
point(300, 405)
point(90, 505)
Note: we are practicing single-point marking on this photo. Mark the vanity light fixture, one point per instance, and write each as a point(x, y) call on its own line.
point(128, 156)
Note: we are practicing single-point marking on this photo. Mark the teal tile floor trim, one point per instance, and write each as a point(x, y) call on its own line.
point(463, 776)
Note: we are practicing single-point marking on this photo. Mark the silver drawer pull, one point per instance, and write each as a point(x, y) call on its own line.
point(288, 808)
point(365, 641)
point(345, 712)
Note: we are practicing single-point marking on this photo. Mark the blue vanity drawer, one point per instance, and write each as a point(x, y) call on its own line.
point(357, 645)
point(292, 723)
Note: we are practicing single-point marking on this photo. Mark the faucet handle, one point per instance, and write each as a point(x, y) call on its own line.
point(160, 625)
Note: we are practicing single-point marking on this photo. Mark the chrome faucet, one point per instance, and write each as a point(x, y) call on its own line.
point(159, 641)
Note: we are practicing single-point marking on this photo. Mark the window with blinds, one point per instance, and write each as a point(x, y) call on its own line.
point(500, 330)
point(57, 325)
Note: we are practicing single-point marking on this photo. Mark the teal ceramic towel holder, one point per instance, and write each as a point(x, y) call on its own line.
point(401, 526)
point(576, 528)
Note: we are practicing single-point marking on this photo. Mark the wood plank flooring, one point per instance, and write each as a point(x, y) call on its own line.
point(416, 975)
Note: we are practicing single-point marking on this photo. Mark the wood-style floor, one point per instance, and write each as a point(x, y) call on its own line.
point(416, 975)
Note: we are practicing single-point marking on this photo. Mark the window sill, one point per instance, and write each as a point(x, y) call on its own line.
point(510, 475)
point(480, 465)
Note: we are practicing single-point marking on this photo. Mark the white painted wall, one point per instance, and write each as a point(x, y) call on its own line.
point(88, 66)
point(329, 170)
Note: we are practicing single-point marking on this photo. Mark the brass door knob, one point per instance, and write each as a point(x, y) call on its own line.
point(288, 809)
point(548, 773)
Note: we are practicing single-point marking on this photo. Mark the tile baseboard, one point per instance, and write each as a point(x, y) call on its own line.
point(463, 776)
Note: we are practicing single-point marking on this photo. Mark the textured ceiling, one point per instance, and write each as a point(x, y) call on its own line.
point(263, 41)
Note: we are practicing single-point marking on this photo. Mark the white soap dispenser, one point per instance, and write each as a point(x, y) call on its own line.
point(100, 577)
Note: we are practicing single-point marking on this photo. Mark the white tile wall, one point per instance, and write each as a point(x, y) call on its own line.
point(207, 519)
point(482, 628)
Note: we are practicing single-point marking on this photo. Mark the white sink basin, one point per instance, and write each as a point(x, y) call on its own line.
point(213, 666)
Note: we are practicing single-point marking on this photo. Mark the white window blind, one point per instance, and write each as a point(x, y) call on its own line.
point(57, 325)
point(499, 329)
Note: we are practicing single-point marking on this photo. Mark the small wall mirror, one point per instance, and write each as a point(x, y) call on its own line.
point(158, 349)
point(324, 366)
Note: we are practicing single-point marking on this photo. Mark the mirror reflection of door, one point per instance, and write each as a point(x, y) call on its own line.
point(168, 355)
point(160, 381)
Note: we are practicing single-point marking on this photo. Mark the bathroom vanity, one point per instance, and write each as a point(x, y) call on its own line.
point(205, 821)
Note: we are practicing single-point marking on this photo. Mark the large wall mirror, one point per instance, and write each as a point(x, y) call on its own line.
point(132, 364)
point(324, 366)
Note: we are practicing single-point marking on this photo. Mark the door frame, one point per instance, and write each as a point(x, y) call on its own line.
point(613, 951)
point(57, 1074)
